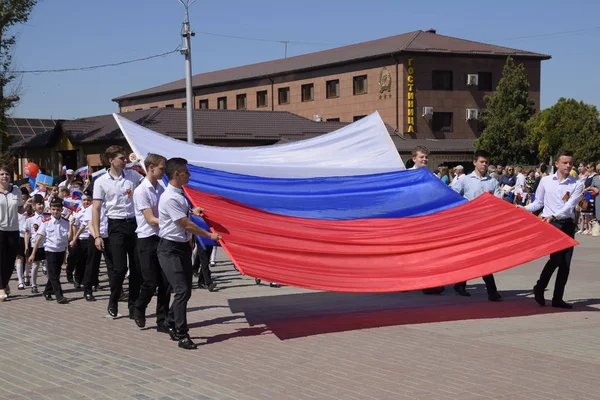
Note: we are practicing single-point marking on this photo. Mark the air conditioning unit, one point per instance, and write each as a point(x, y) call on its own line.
point(317, 118)
point(472, 114)
point(472, 79)
point(427, 111)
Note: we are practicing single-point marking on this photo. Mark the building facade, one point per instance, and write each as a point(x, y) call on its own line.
point(425, 85)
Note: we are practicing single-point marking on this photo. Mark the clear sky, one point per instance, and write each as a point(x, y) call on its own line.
point(76, 33)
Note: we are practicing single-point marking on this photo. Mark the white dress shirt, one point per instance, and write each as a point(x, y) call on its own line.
point(146, 196)
point(172, 207)
point(558, 198)
point(77, 218)
point(32, 225)
point(55, 231)
point(87, 217)
point(9, 209)
point(117, 193)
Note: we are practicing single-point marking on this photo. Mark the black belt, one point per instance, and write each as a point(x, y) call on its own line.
point(132, 219)
point(564, 221)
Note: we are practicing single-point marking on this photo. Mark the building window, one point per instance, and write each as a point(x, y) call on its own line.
point(170, 106)
point(204, 104)
point(153, 107)
point(284, 95)
point(308, 92)
point(333, 89)
point(441, 122)
point(261, 99)
point(485, 82)
point(184, 105)
point(441, 80)
point(222, 103)
point(138, 109)
point(333, 120)
point(357, 117)
point(360, 84)
point(240, 101)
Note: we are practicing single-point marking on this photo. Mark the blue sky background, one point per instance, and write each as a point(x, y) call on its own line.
point(74, 33)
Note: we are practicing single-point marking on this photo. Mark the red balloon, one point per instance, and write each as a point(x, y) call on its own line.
point(31, 170)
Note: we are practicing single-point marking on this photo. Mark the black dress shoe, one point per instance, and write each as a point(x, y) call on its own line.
point(76, 285)
point(461, 291)
point(162, 329)
point(437, 290)
point(48, 297)
point(113, 311)
point(173, 334)
point(187, 344)
point(89, 297)
point(212, 286)
point(561, 304)
point(494, 297)
point(62, 300)
point(140, 321)
point(538, 294)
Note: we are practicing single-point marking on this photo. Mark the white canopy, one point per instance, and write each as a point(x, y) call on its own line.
point(361, 148)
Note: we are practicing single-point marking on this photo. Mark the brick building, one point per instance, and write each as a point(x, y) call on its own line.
point(427, 87)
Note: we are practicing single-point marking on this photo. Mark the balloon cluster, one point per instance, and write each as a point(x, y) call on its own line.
point(31, 170)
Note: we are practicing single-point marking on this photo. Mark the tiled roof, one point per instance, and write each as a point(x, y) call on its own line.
point(411, 42)
point(221, 125)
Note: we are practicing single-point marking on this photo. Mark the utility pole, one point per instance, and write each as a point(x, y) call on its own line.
point(285, 42)
point(187, 34)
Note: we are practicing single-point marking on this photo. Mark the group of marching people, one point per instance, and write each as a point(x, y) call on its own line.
point(139, 225)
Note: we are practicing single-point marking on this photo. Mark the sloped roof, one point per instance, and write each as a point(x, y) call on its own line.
point(411, 42)
point(23, 128)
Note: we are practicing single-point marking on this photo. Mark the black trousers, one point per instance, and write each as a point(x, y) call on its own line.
point(92, 265)
point(9, 243)
point(202, 264)
point(54, 261)
point(121, 233)
point(152, 278)
point(561, 260)
point(77, 259)
point(176, 262)
point(490, 284)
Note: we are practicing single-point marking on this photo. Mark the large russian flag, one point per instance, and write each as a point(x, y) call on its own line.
point(349, 217)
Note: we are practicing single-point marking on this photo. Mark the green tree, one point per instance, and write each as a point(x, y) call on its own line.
point(12, 12)
point(569, 124)
point(505, 118)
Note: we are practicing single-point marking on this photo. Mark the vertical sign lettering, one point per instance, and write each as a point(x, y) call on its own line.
point(410, 100)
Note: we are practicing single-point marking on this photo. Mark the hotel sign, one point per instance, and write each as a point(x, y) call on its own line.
point(410, 96)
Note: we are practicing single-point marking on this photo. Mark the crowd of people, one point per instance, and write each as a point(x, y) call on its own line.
point(142, 229)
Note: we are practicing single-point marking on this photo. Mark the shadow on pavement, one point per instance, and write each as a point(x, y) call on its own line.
point(307, 314)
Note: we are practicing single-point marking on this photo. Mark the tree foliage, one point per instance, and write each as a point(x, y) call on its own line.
point(569, 124)
point(12, 12)
point(505, 133)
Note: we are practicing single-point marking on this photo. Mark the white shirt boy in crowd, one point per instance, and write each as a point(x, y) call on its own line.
point(115, 190)
point(32, 225)
point(558, 195)
point(54, 230)
point(174, 250)
point(92, 266)
point(146, 199)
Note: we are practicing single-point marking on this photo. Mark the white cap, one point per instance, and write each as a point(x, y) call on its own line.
point(459, 167)
point(70, 172)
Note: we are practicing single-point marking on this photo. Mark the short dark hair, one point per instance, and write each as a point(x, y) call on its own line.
point(481, 153)
point(7, 168)
point(24, 191)
point(38, 199)
point(64, 189)
point(543, 168)
point(153, 159)
point(88, 193)
point(173, 165)
point(566, 153)
point(56, 203)
point(112, 151)
point(421, 149)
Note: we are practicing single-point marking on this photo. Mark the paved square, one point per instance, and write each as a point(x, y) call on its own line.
point(259, 342)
